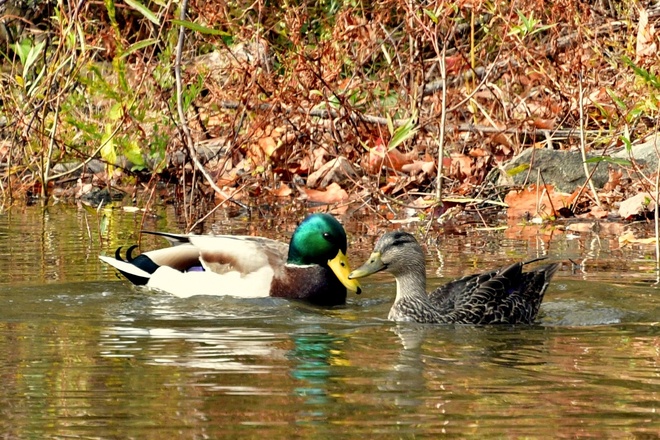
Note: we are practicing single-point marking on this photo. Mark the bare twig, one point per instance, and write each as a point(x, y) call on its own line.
point(583, 146)
point(51, 142)
point(188, 140)
point(377, 120)
point(657, 224)
point(443, 121)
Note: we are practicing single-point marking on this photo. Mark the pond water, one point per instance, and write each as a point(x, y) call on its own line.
point(86, 355)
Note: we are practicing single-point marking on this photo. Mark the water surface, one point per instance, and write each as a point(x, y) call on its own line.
point(85, 354)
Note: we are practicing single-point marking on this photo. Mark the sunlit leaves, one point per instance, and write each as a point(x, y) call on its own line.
point(108, 150)
point(133, 153)
point(432, 15)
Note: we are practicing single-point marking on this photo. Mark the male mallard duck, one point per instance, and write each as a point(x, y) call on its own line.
point(313, 267)
point(507, 295)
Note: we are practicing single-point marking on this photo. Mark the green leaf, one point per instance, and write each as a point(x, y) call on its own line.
point(626, 142)
point(517, 170)
point(139, 45)
point(34, 53)
point(635, 113)
point(81, 38)
point(198, 27)
point(34, 83)
point(430, 14)
point(609, 159)
point(618, 101)
point(103, 225)
point(134, 155)
point(647, 76)
point(22, 49)
point(334, 102)
point(108, 151)
point(116, 111)
point(142, 9)
point(402, 134)
point(390, 124)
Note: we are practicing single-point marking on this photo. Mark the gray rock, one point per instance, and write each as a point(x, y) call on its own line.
point(97, 196)
point(562, 169)
point(644, 154)
point(92, 167)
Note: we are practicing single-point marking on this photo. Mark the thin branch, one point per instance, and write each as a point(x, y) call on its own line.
point(565, 133)
point(657, 224)
point(443, 121)
point(188, 140)
point(583, 146)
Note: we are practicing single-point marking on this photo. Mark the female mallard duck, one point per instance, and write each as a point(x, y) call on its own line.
point(503, 296)
point(313, 267)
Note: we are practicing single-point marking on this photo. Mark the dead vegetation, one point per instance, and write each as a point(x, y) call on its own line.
point(385, 105)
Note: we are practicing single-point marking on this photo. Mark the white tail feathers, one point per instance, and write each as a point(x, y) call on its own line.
point(125, 267)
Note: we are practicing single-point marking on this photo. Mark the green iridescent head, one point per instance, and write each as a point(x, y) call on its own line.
point(321, 239)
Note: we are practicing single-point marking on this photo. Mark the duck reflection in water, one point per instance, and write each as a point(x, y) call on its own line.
point(315, 354)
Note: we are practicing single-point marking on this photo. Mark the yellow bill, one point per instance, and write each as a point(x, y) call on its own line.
point(342, 269)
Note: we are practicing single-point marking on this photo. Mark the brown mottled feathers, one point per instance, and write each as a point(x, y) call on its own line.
point(503, 296)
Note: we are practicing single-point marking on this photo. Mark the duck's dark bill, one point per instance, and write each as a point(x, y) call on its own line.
point(341, 268)
point(374, 264)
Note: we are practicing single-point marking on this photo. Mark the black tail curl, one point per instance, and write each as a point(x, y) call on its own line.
point(141, 261)
point(129, 254)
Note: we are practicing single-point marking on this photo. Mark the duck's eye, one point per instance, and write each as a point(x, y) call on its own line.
point(327, 236)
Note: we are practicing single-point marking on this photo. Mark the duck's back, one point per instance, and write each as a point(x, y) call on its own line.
point(507, 295)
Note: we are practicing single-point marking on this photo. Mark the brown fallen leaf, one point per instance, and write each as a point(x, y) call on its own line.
point(638, 204)
point(303, 167)
point(378, 157)
point(599, 213)
point(646, 46)
point(461, 166)
point(282, 191)
point(544, 201)
point(614, 180)
point(544, 124)
point(336, 170)
point(501, 139)
point(267, 145)
point(318, 158)
point(419, 166)
point(390, 183)
point(332, 194)
point(455, 64)
point(478, 152)
point(519, 231)
point(229, 174)
point(581, 227)
point(628, 238)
